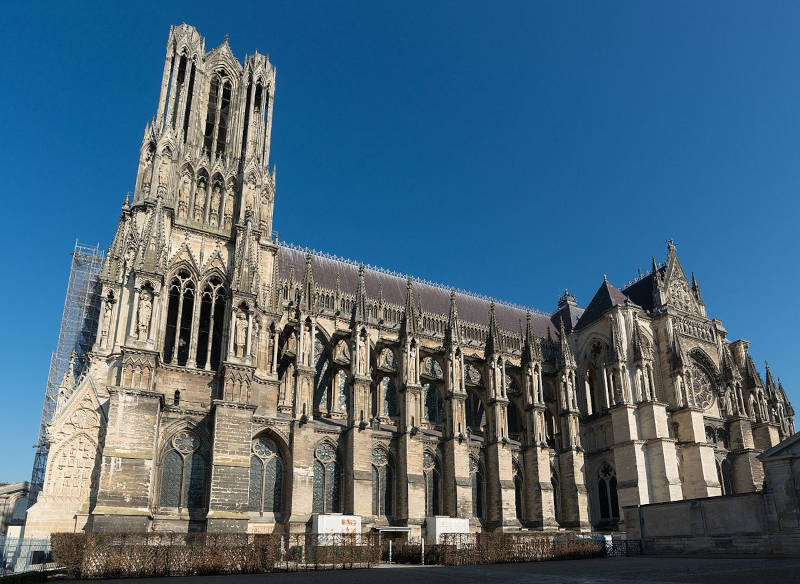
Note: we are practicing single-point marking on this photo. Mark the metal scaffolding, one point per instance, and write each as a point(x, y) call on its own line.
point(79, 322)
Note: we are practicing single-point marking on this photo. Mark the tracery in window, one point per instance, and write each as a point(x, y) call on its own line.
point(212, 317)
point(701, 385)
point(266, 477)
point(184, 473)
point(180, 310)
point(382, 483)
point(607, 492)
point(326, 479)
point(219, 100)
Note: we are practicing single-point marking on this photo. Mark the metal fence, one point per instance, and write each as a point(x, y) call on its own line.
point(24, 554)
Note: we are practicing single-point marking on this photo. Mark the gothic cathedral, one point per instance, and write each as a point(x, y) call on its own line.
point(243, 385)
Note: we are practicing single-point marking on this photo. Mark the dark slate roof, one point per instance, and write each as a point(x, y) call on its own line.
point(570, 314)
point(606, 296)
point(641, 292)
point(434, 299)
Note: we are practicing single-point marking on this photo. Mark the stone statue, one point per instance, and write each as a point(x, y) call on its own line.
point(107, 308)
point(143, 316)
point(199, 200)
point(163, 171)
point(228, 210)
point(250, 195)
point(309, 342)
point(183, 197)
point(240, 336)
point(412, 365)
point(362, 358)
point(216, 195)
point(264, 210)
point(147, 171)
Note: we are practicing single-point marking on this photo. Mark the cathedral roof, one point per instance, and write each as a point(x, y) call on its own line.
point(606, 296)
point(641, 292)
point(433, 298)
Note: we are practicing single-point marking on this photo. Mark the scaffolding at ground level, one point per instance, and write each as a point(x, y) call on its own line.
point(79, 321)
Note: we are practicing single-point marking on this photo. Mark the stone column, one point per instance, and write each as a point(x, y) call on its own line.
point(746, 468)
point(662, 456)
point(500, 503)
point(230, 471)
point(699, 465)
point(123, 497)
point(630, 461)
point(357, 494)
point(304, 441)
point(457, 486)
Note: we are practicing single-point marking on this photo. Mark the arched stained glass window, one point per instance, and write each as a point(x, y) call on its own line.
point(607, 492)
point(266, 477)
point(382, 483)
point(184, 473)
point(326, 479)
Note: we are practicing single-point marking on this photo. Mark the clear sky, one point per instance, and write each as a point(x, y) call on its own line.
point(512, 149)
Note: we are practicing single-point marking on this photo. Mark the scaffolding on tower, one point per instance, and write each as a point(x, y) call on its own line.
point(79, 321)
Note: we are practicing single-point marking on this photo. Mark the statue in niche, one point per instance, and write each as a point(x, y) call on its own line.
point(250, 194)
point(199, 200)
point(147, 171)
point(256, 345)
point(183, 197)
point(292, 343)
point(163, 171)
point(457, 372)
point(309, 342)
point(228, 217)
point(107, 308)
point(143, 315)
point(264, 210)
point(362, 357)
point(270, 350)
point(412, 364)
point(240, 335)
point(216, 196)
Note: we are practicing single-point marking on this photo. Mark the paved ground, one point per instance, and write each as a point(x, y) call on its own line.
point(599, 571)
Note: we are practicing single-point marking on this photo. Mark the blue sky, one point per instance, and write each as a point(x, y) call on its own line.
point(513, 149)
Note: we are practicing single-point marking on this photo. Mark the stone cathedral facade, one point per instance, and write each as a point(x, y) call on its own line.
point(239, 384)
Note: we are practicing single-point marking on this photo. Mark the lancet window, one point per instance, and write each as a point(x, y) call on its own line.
point(431, 473)
point(518, 491)
point(266, 477)
point(326, 479)
point(209, 332)
point(478, 480)
point(180, 310)
point(184, 471)
point(219, 101)
point(382, 483)
point(434, 405)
